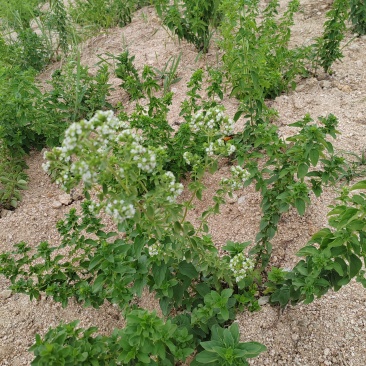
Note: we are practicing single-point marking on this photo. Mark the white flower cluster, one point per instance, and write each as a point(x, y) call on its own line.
point(174, 189)
point(104, 123)
point(241, 265)
point(47, 165)
point(94, 207)
point(214, 119)
point(154, 249)
point(120, 210)
point(72, 136)
point(240, 173)
point(83, 169)
point(191, 159)
point(145, 159)
point(239, 177)
point(219, 147)
point(110, 124)
point(187, 156)
point(105, 152)
point(92, 141)
point(231, 149)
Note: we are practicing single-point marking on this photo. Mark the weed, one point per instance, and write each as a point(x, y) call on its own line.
point(12, 179)
point(257, 60)
point(104, 13)
point(358, 16)
point(75, 93)
point(168, 74)
point(328, 45)
point(190, 20)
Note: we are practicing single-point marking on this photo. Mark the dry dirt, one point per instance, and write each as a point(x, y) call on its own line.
point(331, 330)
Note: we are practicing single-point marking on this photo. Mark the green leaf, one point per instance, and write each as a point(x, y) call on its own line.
point(320, 234)
point(355, 265)
point(138, 244)
point(228, 338)
point(178, 228)
point(282, 295)
point(206, 357)
point(237, 115)
point(94, 262)
point(188, 269)
point(98, 283)
point(203, 289)
point(300, 206)
point(165, 305)
point(308, 250)
point(159, 272)
point(359, 185)
point(226, 293)
point(338, 268)
point(348, 216)
point(302, 170)
point(150, 212)
point(314, 156)
point(252, 349)
point(224, 313)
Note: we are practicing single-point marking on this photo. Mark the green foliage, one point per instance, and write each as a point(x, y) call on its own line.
point(32, 49)
point(358, 15)
point(152, 120)
point(29, 50)
point(22, 116)
point(104, 13)
point(257, 60)
point(12, 179)
point(131, 81)
point(160, 250)
point(190, 20)
point(75, 93)
point(168, 74)
point(19, 13)
point(146, 339)
point(59, 21)
point(332, 257)
point(290, 171)
point(25, 47)
point(225, 348)
point(328, 45)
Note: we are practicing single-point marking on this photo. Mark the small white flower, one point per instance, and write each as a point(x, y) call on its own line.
point(241, 265)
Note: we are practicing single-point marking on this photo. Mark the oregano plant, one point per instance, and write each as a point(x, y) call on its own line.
point(159, 249)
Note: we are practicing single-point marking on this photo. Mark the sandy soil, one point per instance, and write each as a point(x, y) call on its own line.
point(330, 331)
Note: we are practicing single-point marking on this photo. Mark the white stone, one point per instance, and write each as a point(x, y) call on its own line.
point(5, 213)
point(56, 204)
point(5, 294)
point(65, 199)
point(263, 300)
point(232, 199)
point(242, 204)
